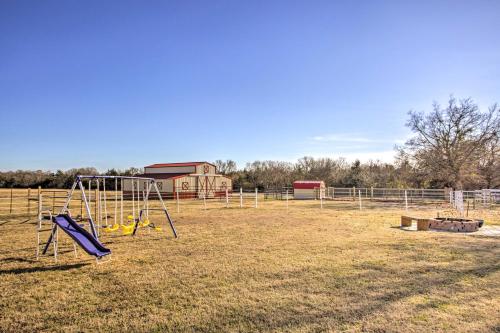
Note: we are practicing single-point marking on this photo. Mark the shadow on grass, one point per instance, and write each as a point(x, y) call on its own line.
point(16, 259)
point(42, 269)
point(20, 220)
point(367, 205)
point(369, 290)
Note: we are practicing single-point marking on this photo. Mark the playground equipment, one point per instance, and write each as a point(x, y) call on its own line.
point(89, 240)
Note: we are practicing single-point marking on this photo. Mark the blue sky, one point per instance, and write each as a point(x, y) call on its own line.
point(129, 83)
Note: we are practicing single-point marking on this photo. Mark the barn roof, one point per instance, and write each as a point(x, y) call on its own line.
point(308, 181)
point(178, 164)
point(164, 175)
point(307, 184)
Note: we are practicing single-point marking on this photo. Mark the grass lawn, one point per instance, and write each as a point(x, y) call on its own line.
point(265, 270)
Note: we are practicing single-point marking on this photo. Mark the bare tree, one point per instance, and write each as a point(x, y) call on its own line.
point(489, 164)
point(269, 174)
point(329, 170)
point(449, 141)
point(379, 174)
point(225, 167)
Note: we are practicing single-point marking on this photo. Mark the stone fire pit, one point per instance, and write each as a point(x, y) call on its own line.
point(443, 223)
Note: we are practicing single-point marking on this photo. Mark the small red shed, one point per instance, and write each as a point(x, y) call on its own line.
point(307, 189)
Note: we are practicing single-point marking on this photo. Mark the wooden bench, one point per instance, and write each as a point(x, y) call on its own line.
point(422, 224)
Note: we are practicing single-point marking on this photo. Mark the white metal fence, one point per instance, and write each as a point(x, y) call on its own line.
point(386, 194)
point(29, 201)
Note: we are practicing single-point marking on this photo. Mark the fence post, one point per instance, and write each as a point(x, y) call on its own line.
point(39, 200)
point(99, 213)
point(204, 200)
point(371, 193)
point(177, 195)
point(353, 193)
point(321, 198)
point(256, 200)
point(97, 198)
point(227, 198)
point(29, 202)
point(53, 200)
point(11, 200)
point(287, 200)
point(241, 197)
point(406, 200)
point(360, 204)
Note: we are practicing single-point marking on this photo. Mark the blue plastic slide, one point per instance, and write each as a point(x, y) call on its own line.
point(85, 239)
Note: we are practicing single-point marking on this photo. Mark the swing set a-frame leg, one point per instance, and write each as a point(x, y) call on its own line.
point(49, 241)
point(164, 209)
point(52, 240)
point(170, 222)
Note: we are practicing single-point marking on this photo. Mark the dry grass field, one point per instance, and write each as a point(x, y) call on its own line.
point(261, 270)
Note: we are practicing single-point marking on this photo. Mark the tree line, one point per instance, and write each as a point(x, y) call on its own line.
point(341, 173)
point(58, 179)
point(454, 146)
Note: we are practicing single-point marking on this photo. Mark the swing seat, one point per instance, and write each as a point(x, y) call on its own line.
point(128, 229)
point(127, 232)
point(112, 228)
point(145, 223)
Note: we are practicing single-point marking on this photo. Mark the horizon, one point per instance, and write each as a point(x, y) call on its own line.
point(238, 166)
point(123, 84)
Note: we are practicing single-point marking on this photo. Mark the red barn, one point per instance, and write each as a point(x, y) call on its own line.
point(188, 179)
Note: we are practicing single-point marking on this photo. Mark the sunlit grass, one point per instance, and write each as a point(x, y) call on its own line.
point(266, 269)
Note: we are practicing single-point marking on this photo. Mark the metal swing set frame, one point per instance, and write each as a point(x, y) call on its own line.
point(78, 183)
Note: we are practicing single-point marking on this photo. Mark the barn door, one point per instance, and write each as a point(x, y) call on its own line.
point(201, 186)
point(210, 186)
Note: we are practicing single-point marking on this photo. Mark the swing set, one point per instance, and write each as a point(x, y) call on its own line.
point(89, 240)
